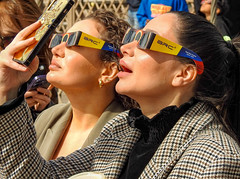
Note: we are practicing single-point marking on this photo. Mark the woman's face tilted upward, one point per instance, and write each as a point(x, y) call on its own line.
point(149, 74)
point(77, 67)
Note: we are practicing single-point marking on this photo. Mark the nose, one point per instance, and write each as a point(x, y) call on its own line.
point(59, 50)
point(128, 49)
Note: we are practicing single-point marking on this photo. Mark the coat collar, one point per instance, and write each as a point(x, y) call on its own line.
point(184, 131)
point(60, 116)
point(114, 145)
point(113, 109)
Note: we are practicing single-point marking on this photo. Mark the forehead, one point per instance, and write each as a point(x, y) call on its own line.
point(164, 25)
point(89, 26)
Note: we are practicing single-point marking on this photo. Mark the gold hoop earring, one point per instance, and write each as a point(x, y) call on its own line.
point(100, 83)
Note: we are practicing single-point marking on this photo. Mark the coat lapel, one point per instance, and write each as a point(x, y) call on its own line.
point(110, 112)
point(113, 150)
point(54, 129)
point(177, 141)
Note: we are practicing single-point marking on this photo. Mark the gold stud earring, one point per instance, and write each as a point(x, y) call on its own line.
point(100, 82)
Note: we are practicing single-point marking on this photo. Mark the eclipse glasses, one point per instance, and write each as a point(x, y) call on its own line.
point(82, 39)
point(154, 42)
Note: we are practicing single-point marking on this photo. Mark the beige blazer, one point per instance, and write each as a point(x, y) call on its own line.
point(51, 124)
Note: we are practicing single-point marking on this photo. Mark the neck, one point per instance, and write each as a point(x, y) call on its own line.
point(208, 16)
point(151, 106)
point(88, 107)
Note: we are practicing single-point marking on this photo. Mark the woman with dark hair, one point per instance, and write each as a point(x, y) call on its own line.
point(185, 78)
point(14, 16)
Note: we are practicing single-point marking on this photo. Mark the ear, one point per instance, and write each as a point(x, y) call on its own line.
point(109, 72)
point(185, 76)
point(218, 11)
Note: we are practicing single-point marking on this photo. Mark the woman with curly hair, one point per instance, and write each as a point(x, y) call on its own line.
point(88, 77)
point(86, 70)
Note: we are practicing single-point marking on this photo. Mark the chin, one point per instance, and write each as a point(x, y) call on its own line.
point(118, 88)
point(121, 89)
point(55, 84)
point(51, 77)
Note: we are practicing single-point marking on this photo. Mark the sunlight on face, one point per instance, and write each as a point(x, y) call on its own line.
point(77, 67)
point(149, 73)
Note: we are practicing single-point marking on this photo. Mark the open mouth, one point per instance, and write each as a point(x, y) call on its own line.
point(125, 69)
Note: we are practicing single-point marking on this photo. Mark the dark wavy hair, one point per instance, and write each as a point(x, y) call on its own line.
point(115, 29)
point(219, 83)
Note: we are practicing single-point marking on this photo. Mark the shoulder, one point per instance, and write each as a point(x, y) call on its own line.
point(211, 154)
point(117, 126)
point(54, 112)
point(212, 136)
point(57, 108)
point(181, 1)
point(218, 141)
point(211, 146)
point(182, 4)
point(215, 134)
point(217, 153)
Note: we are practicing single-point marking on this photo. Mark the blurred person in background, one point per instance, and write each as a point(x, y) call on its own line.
point(221, 22)
point(149, 9)
point(132, 13)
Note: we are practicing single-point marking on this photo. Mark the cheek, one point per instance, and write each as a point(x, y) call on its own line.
point(155, 70)
point(150, 65)
point(205, 8)
point(79, 67)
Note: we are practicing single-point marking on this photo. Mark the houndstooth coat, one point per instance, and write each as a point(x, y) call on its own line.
point(196, 147)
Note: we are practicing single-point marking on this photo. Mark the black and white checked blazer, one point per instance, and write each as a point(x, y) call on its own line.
point(196, 147)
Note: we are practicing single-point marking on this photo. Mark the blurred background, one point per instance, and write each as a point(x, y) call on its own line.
point(82, 8)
